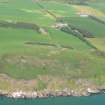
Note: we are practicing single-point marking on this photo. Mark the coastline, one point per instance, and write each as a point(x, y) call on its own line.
point(46, 94)
point(87, 88)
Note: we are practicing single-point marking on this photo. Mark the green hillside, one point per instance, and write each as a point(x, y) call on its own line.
point(51, 45)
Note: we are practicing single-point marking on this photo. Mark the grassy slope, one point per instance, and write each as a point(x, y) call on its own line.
point(22, 61)
point(89, 25)
point(99, 6)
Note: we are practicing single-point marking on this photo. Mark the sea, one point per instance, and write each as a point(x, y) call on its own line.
point(88, 100)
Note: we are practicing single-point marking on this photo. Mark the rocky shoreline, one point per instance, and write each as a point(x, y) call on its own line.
point(46, 94)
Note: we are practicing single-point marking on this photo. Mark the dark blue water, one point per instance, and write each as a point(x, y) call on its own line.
point(91, 100)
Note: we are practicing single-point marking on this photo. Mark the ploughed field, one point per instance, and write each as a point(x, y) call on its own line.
point(51, 45)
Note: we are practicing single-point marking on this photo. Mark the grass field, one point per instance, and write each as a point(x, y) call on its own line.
point(87, 24)
point(57, 57)
point(99, 6)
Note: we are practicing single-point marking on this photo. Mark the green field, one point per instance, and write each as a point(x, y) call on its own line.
point(88, 24)
point(99, 6)
point(53, 57)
